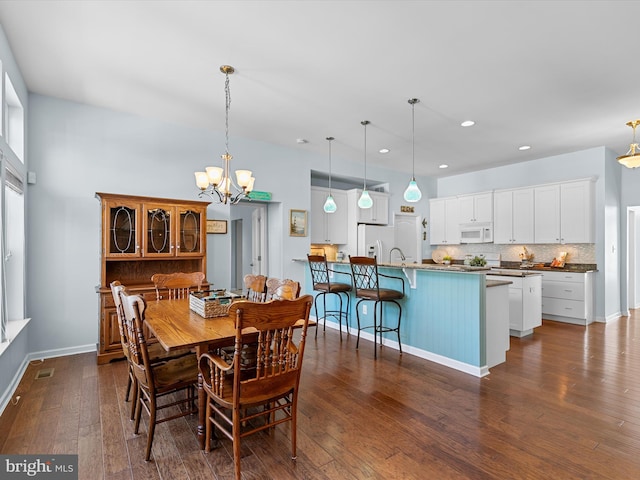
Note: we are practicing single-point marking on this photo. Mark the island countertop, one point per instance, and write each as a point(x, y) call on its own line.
point(416, 266)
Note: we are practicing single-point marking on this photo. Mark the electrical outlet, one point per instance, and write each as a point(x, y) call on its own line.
point(364, 309)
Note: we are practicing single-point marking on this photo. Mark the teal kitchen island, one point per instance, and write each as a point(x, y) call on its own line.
point(453, 315)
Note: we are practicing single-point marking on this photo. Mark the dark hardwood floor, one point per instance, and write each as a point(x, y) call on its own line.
point(565, 405)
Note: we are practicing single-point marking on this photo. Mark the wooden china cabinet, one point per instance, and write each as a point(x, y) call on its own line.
point(142, 236)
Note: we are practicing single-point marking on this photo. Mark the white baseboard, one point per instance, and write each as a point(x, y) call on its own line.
point(7, 395)
point(13, 385)
point(61, 352)
point(418, 352)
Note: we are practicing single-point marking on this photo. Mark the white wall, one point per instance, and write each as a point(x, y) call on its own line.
point(77, 150)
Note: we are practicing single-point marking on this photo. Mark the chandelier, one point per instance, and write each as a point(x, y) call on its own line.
point(216, 181)
point(632, 158)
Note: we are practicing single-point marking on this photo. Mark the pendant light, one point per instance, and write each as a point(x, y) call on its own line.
point(365, 200)
point(412, 193)
point(632, 158)
point(330, 204)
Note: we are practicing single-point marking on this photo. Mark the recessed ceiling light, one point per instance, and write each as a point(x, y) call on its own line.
point(468, 123)
point(444, 165)
point(384, 150)
point(524, 147)
point(302, 140)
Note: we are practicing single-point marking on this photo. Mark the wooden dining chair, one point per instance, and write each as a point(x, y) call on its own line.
point(177, 285)
point(282, 289)
point(156, 352)
point(256, 287)
point(156, 381)
point(239, 406)
point(366, 284)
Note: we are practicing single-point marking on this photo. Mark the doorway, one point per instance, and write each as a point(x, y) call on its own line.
point(633, 257)
point(248, 241)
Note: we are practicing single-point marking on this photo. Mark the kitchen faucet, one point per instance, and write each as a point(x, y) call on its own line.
point(399, 251)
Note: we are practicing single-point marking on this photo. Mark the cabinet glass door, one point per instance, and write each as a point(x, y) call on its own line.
point(190, 234)
point(158, 229)
point(122, 231)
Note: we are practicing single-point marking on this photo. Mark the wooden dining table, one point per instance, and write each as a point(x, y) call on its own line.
point(176, 326)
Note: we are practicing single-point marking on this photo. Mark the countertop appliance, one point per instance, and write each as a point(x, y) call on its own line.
point(376, 240)
point(480, 232)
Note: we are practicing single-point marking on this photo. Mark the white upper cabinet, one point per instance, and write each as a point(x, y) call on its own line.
point(564, 212)
point(328, 227)
point(378, 214)
point(513, 216)
point(444, 221)
point(577, 211)
point(476, 208)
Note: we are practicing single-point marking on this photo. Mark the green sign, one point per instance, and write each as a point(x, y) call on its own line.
point(255, 195)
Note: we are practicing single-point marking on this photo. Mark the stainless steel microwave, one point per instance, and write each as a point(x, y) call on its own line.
point(476, 233)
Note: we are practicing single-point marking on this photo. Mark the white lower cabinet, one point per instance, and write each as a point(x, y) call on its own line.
point(525, 303)
point(568, 297)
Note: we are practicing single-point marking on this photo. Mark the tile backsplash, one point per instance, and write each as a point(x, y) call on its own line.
point(542, 253)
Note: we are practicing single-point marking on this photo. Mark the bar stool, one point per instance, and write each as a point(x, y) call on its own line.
point(323, 284)
point(367, 288)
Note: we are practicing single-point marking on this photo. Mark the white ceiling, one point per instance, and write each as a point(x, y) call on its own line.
point(560, 76)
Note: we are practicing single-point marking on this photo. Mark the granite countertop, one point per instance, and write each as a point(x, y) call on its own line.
point(417, 266)
point(569, 267)
point(505, 272)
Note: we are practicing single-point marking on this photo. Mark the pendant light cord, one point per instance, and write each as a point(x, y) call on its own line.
point(227, 92)
point(365, 123)
point(329, 138)
point(413, 140)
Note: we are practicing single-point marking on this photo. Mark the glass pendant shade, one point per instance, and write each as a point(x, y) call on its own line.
point(243, 177)
point(202, 180)
point(412, 193)
point(365, 200)
point(330, 205)
point(215, 175)
point(630, 161)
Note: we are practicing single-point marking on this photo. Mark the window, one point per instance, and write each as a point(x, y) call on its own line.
point(14, 119)
point(12, 249)
point(12, 215)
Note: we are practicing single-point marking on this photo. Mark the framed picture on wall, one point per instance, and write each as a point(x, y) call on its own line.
point(297, 223)
point(216, 226)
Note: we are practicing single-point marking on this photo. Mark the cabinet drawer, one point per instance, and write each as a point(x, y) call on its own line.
point(567, 290)
point(563, 277)
point(564, 308)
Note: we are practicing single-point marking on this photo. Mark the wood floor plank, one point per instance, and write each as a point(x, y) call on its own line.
point(565, 405)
